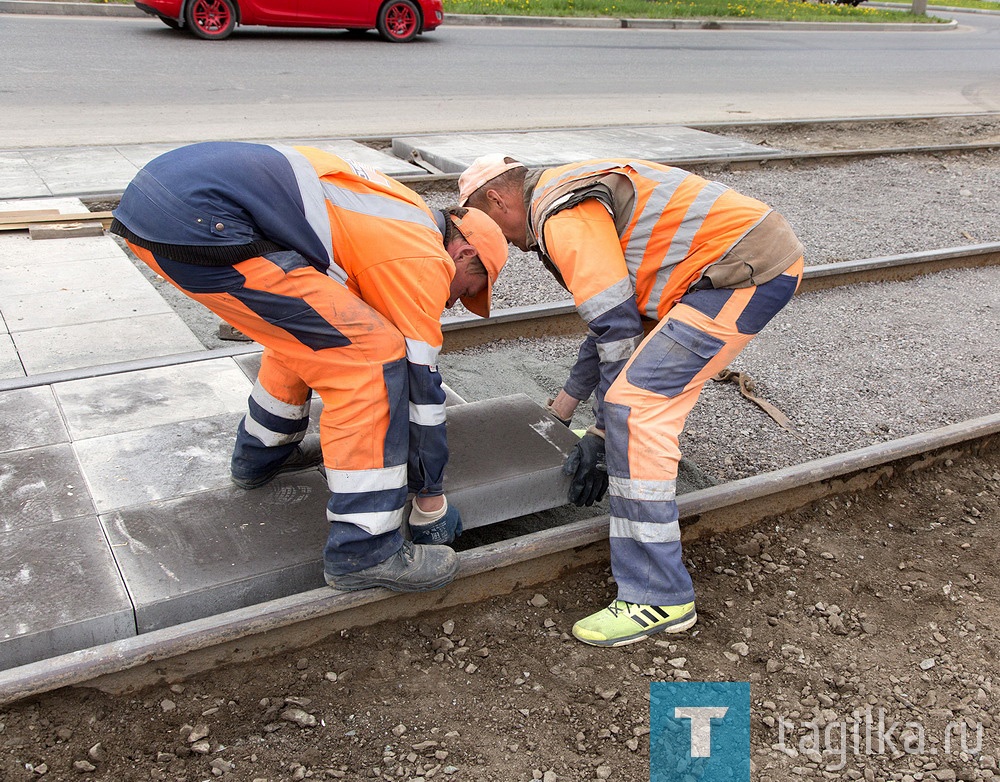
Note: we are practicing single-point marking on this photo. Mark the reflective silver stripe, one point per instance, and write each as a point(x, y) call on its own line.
point(680, 246)
point(652, 211)
point(376, 523)
point(268, 437)
point(276, 407)
point(377, 206)
point(645, 531)
point(427, 415)
point(607, 299)
point(418, 352)
point(610, 352)
point(649, 491)
point(359, 481)
point(313, 201)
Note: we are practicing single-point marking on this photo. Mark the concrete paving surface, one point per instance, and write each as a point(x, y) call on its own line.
point(117, 515)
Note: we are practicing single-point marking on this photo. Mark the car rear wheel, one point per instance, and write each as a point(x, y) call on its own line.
point(398, 21)
point(211, 19)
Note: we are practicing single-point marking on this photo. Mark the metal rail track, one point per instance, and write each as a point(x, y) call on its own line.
point(547, 320)
point(300, 620)
point(560, 318)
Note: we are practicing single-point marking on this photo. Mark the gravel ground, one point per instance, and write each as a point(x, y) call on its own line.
point(849, 367)
point(872, 613)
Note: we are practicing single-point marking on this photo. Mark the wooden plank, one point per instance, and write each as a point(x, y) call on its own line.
point(26, 214)
point(66, 230)
point(13, 224)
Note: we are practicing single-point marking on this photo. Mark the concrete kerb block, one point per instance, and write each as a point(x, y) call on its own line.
point(506, 459)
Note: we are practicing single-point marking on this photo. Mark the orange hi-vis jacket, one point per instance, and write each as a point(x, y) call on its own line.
point(227, 201)
point(405, 273)
point(671, 223)
point(628, 238)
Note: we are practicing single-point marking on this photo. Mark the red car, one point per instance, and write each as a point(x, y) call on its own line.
point(398, 21)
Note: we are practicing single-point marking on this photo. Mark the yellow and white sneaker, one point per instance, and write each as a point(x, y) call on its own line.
point(625, 623)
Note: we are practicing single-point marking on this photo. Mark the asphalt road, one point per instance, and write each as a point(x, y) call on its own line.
point(93, 81)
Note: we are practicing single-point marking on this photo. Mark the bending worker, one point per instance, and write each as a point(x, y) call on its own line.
point(342, 274)
point(705, 268)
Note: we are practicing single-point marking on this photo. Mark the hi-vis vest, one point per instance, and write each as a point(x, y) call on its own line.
point(671, 223)
point(369, 220)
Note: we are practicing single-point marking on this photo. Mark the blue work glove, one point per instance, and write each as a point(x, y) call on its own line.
point(438, 527)
point(589, 470)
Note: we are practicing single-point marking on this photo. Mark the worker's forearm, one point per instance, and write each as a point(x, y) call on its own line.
point(564, 405)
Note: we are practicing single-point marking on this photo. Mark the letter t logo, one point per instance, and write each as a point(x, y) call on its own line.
point(701, 726)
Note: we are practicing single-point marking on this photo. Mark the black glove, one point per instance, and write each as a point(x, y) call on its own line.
point(589, 470)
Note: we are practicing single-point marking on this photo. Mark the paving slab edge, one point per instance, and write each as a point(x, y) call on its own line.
point(744, 501)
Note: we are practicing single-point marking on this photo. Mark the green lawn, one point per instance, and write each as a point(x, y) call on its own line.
point(782, 10)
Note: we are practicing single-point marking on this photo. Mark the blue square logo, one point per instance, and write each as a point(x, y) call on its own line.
point(699, 731)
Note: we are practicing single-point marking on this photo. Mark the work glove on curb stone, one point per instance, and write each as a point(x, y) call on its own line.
point(564, 421)
point(437, 527)
point(589, 470)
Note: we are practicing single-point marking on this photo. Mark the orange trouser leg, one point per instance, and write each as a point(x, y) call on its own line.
point(318, 335)
point(645, 410)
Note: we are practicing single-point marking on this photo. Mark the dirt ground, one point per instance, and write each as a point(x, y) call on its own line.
point(829, 136)
point(873, 615)
point(878, 608)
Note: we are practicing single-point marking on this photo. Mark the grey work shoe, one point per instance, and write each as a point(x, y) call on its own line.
point(307, 455)
point(414, 568)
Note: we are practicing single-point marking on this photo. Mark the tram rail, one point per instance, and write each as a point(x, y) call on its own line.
point(297, 621)
point(300, 620)
point(560, 318)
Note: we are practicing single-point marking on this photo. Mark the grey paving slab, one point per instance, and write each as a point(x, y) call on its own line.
point(506, 459)
point(160, 462)
point(39, 486)
point(112, 272)
point(376, 158)
point(87, 304)
point(55, 171)
point(18, 177)
point(17, 251)
point(216, 551)
point(29, 418)
point(140, 154)
point(453, 153)
point(139, 400)
point(103, 342)
point(250, 364)
point(81, 169)
point(61, 592)
point(10, 363)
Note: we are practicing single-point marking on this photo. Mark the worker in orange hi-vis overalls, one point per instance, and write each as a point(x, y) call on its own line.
point(674, 275)
point(342, 274)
